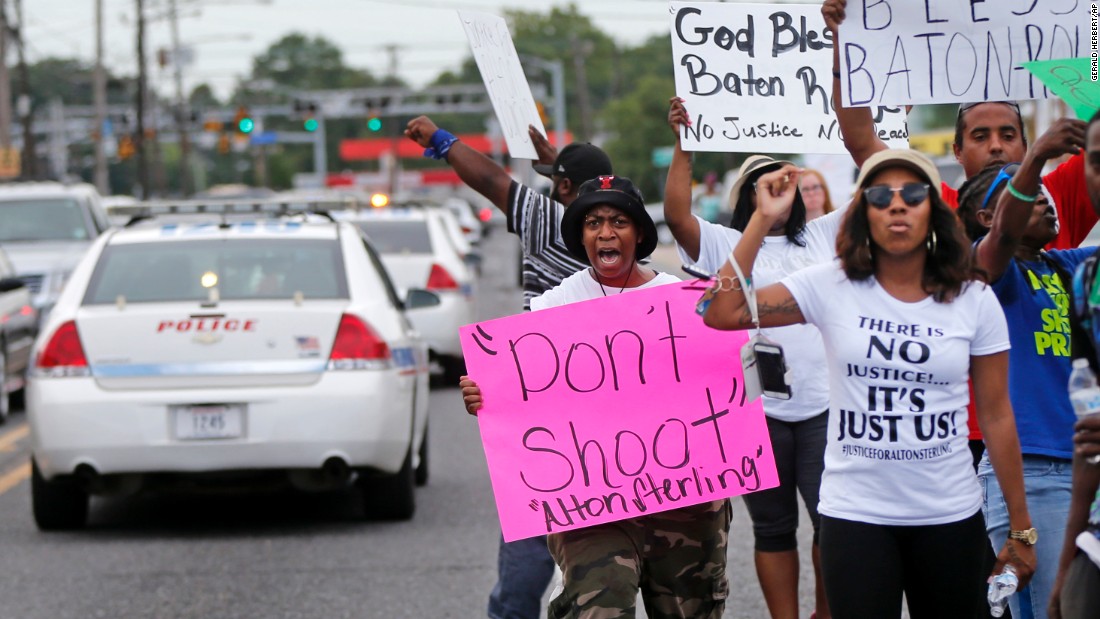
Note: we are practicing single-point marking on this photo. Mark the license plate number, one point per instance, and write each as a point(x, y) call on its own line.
point(207, 421)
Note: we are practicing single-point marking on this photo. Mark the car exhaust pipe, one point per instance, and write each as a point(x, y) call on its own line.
point(88, 478)
point(336, 471)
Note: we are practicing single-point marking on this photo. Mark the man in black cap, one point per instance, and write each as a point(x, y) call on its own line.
point(536, 219)
point(524, 567)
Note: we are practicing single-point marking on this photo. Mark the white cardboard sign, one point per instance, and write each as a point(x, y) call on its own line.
point(758, 78)
point(498, 62)
point(896, 52)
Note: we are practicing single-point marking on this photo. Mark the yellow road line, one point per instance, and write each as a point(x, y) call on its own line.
point(8, 441)
point(13, 477)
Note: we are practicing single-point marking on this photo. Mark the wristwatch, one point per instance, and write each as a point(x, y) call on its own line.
point(1027, 536)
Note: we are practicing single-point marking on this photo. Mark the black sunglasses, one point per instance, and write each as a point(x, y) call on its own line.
point(880, 196)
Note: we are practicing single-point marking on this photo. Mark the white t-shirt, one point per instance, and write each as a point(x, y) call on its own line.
point(778, 258)
point(897, 450)
point(581, 286)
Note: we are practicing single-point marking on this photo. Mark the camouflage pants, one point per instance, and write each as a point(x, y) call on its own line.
point(677, 559)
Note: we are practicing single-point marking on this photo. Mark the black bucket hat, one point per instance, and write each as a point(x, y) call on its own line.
point(614, 191)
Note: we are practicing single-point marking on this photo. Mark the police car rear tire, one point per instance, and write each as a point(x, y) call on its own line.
point(58, 505)
point(390, 497)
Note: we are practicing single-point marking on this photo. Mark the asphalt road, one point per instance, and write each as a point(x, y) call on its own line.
point(275, 554)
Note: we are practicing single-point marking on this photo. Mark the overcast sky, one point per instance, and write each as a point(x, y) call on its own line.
point(226, 34)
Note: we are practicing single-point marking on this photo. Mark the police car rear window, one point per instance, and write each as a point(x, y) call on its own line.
point(54, 219)
point(398, 237)
point(238, 269)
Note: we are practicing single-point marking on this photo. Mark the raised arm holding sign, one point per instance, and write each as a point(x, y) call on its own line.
point(987, 131)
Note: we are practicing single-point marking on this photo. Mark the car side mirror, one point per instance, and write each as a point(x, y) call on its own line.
point(418, 298)
point(8, 284)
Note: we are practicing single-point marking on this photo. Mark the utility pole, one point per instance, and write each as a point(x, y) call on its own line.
point(394, 131)
point(102, 181)
point(5, 81)
point(139, 136)
point(183, 118)
point(24, 108)
point(580, 54)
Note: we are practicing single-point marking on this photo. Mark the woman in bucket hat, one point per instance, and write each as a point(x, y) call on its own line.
point(906, 326)
point(676, 559)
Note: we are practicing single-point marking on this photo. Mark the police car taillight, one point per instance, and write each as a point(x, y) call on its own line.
point(440, 279)
point(63, 355)
point(358, 347)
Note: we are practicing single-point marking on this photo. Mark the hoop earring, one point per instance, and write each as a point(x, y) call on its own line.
point(930, 243)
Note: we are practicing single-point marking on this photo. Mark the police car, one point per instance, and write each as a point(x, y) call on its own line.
point(206, 350)
point(419, 253)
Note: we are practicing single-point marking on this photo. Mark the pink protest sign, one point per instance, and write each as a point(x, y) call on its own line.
point(614, 408)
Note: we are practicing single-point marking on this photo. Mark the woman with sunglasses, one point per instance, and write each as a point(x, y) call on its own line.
point(1012, 216)
point(905, 327)
point(797, 426)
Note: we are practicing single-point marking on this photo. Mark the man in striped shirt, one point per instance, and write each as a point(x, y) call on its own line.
point(524, 567)
point(531, 215)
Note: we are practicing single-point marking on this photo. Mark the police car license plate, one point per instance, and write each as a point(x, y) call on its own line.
point(206, 421)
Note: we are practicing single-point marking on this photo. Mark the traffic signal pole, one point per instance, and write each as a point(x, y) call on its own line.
point(320, 156)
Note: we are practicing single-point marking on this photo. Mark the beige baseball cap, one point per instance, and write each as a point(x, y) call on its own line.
point(902, 157)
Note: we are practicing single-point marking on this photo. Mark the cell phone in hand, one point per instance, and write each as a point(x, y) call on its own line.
point(695, 271)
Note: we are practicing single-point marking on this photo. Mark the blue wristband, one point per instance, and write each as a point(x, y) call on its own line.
point(441, 143)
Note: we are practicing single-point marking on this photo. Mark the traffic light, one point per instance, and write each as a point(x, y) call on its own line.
point(307, 112)
point(376, 108)
point(243, 121)
point(125, 147)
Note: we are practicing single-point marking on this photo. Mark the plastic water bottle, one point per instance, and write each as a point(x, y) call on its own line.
point(1084, 393)
point(1001, 587)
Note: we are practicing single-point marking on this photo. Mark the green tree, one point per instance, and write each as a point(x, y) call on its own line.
point(303, 63)
point(202, 96)
point(590, 58)
point(637, 123)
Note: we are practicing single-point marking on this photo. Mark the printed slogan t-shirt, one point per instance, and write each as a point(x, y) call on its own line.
point(801, 344)
point(898, 375)
point(1036, 305)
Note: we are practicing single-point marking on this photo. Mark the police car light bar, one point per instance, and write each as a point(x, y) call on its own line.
point(270, 208)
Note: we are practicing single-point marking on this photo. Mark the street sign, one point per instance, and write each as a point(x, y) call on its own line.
point(265, 138)
point(662, 156)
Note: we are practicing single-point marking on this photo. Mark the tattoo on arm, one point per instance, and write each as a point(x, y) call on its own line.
point(787, 307)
